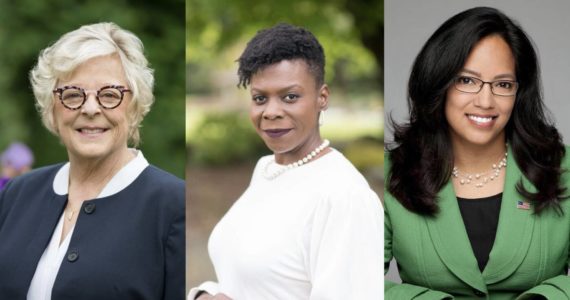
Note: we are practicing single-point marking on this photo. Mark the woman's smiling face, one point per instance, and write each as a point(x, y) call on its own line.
point(480, 118)
point(93, 132)
point(285, 108)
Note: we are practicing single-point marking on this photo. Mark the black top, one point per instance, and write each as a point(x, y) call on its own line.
point(481, 218)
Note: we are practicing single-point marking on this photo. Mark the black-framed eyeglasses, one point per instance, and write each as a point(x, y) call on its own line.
point(474, 85)
point(108, 97)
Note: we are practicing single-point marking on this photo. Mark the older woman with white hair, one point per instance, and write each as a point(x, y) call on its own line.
point(106, 224)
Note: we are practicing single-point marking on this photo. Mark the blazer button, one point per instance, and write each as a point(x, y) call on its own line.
point(89, 208)
point(478, 293)
point(72, 256)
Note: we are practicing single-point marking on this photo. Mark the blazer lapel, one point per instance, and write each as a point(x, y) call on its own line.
point(449, 237)
point(515, 228)
point(50, 213)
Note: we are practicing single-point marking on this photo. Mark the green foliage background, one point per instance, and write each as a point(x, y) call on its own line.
point(351, 32)
point(28, 26)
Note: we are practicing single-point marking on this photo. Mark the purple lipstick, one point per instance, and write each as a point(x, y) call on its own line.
point(275, 133)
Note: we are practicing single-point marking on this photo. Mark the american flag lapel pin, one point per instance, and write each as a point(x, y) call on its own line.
point(523, 204)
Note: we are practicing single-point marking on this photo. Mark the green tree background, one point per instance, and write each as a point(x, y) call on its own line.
point(28, 26)
point(351, 33)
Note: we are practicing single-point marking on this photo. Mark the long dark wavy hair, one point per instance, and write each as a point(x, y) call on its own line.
point(421, 154)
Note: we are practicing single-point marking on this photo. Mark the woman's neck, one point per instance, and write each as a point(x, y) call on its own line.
point(472, 158)
point(91, 175)
point(296, 154)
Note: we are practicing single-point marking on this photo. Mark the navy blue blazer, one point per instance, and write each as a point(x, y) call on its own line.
point(130, 245)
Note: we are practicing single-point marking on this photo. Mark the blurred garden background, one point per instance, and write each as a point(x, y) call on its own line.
point(28, 26)
point(222, 144)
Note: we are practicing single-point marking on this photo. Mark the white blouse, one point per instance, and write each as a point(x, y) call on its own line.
point(50, 261)
point(314, 232)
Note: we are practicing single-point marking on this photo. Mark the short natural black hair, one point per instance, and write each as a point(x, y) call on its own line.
point(281, 42)
point(422, 156)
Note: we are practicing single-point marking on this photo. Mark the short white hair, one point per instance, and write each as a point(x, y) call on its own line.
point(59, 60)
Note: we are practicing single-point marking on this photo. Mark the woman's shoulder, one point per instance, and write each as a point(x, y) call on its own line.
point(162, 177)
point(36, 177)
point(30, 187)
point(157, 190)
point(341, 171)
point(156, 181)
point(343, 183)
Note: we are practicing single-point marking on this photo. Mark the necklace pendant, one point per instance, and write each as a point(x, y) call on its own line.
point(70, 215)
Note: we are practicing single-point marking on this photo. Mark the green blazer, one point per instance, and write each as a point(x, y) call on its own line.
point(530, 255)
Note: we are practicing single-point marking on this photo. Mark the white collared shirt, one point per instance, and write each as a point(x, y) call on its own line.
point(50, 262)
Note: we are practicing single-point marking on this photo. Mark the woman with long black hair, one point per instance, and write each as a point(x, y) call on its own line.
point(476, 185)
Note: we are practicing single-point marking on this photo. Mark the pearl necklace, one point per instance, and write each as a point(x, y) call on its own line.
point(272, 175)
point(467, 178)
